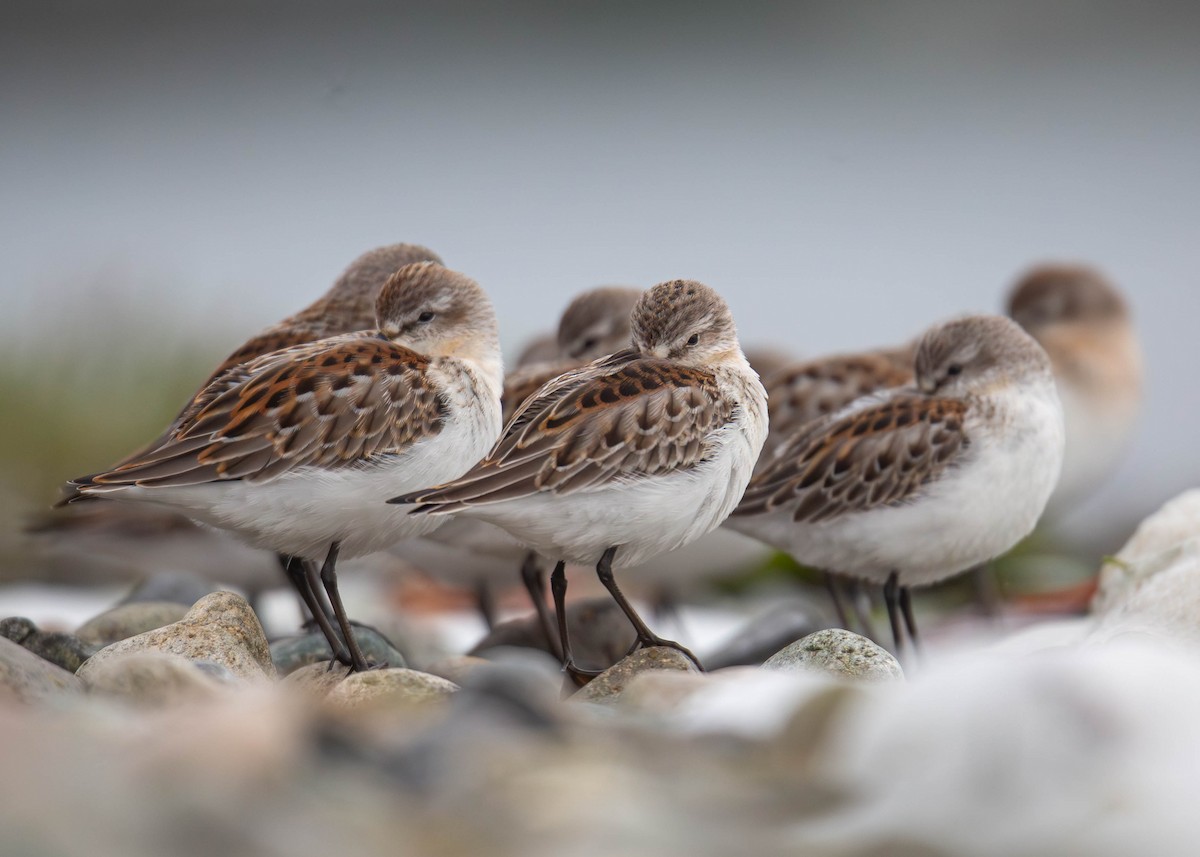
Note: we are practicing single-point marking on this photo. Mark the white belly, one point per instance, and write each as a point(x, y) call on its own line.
point(302, 512)
point(975, 512)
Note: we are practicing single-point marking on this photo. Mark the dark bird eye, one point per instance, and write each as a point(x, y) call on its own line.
point(953, 369)
point(587, 345)
point(694, 339)
point(425, 317)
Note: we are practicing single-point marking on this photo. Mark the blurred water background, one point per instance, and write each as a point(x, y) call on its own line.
point(176, 176)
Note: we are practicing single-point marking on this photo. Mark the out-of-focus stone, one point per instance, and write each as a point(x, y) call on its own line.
point(64, 650)
point(1160, 540)
point(220, 628)
point(153, 679)
point(1153, 582)
point(838, 653)
point(316, 680)
point(129, 620)
point(387, 688)
point(291, 653)
point(661, 692)
point(607, 687)
point(600, 634)
point(177, 587)
point(25, 677)
point(767, 633)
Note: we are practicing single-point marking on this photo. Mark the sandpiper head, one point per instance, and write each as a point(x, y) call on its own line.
point(977, 353)
point(684, 321)
point(596, 322)
point(1055, 294)
point(436, 311)
point(352, 296)
point(542, 348)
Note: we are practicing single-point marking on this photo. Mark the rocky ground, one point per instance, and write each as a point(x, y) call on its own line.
point(161, 727)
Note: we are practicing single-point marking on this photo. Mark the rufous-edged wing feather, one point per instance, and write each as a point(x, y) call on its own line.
point(878, 455)
point(623, 417)
point(331, 403)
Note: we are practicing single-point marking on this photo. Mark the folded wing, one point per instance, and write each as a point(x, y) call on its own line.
point(331, 403)
point(880, 455)
point(623, 417)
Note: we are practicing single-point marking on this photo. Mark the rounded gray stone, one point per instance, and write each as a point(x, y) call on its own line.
point(220, 628)
point(839, 653)
point(64, 650)
point(129, 620)
point(292, 653)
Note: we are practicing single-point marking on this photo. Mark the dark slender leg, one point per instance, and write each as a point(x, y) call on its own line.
point(860, 603)
point(646, 637)
point(910, 621)
point(297, 570)
point(535, 585)
point(891, 591)
point(835, 595)
point(558, 586)
point(485, 601)
point(329, 578)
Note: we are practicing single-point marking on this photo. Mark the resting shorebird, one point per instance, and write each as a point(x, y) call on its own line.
point(595, 323)
point(634, 454)
point(1085, 326)
point(917, 484)
point(296, 450)
point(140, 536)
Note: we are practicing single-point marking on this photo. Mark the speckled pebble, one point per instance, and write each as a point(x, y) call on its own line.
point(220, 628)
point(389, 687)
point(607, 687)
point(839, 653)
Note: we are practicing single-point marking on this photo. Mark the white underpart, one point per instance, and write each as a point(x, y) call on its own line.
point(303, 512)
point(976, 511)
point(645, 517)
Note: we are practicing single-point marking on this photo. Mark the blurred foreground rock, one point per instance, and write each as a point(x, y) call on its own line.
point(220, 628)
point(391, 688)
point(25, 677)
point(157, 679)
point(1152, 584)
